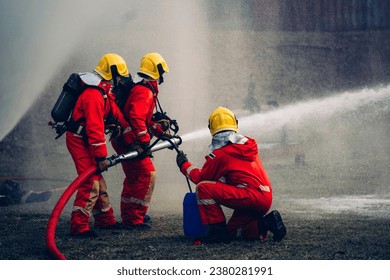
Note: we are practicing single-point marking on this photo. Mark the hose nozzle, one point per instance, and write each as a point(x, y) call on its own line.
point(167, 143)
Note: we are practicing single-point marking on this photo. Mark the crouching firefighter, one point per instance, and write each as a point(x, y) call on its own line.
point(86, 142)
point(232, 176)
point(140, 173)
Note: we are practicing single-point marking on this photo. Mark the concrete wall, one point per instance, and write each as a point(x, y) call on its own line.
point(296, 49)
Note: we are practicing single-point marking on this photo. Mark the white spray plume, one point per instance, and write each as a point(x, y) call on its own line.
point(37, 38)
point(306, 113)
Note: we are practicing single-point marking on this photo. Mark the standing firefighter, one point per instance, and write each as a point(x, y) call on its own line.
point(140, 174)
point(85, 140)
point(232, 176)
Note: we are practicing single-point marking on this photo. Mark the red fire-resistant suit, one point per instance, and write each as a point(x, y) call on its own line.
point(91, 108)
point(232, 176)
point(140, 174)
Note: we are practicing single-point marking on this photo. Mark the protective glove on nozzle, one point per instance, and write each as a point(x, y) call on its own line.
point(141, 148)
point(168, 135)
point(165, 124)
point(181, 158)
point(102, 164)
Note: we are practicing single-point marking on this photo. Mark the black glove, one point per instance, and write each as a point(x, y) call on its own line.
point(181, 158)
point(167, 135)
point(102, 164)
point(115, 131)
point(141, 148)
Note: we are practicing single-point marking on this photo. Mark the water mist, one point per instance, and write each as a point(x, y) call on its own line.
point(309, 113)
point(35, 45)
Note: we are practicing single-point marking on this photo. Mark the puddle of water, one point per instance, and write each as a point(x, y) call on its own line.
point(366, 205)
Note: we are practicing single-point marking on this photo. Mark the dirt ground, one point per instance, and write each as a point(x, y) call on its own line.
point(334, 237)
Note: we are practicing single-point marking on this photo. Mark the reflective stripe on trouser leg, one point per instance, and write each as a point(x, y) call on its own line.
point(247, 201)
point(136, 197)
point(210, 211)
point(86, 198)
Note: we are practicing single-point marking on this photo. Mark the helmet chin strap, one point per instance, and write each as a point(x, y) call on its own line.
point(115, 75)
point(160, 73)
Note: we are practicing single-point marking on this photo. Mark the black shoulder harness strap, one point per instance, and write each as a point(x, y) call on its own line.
point(149, 86)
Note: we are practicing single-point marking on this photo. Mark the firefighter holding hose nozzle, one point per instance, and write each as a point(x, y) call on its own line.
point(232, 176)
point(140, 173)
point(85, 140)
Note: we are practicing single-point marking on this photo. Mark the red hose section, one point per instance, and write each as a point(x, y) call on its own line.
point(58, 208)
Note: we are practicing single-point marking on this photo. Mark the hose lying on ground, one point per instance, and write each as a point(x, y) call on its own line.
point(63, 200)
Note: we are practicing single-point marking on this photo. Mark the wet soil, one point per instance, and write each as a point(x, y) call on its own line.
point(331, 237)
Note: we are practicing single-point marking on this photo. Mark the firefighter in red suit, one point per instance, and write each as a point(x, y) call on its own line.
point(233, 176)
point(140, 174)
point(86, 142)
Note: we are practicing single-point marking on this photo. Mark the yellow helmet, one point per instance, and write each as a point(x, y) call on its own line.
point(222, 119)
point(110, 63)
point(153, 65)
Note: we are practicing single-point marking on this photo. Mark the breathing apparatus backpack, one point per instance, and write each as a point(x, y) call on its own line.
point(63, 108)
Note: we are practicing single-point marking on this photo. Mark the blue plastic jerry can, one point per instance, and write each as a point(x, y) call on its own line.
point(192, 224)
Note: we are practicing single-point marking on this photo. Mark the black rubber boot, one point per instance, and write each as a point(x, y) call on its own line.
point(217, 234)
point(274, 223)
point(147, 219)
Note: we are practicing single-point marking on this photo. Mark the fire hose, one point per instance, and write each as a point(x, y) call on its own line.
point(67, 194)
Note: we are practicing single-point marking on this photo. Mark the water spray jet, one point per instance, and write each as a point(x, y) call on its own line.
point(304, 113)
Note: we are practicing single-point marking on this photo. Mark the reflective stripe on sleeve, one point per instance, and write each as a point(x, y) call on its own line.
point(99, 144)
point(264, 188)
point(142, 133)
point(190, 168)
